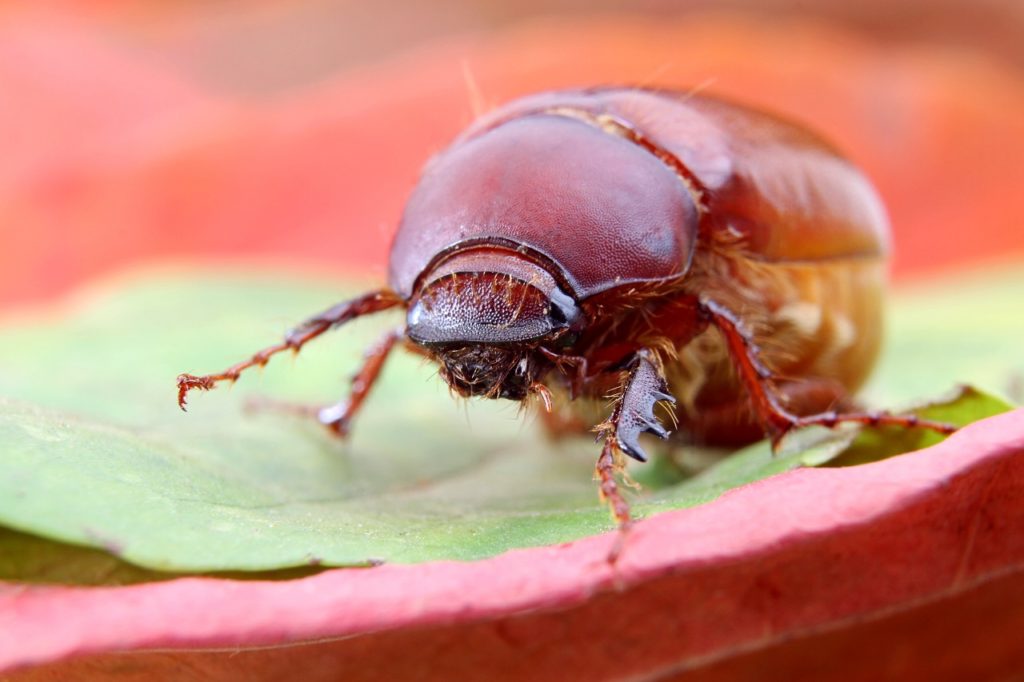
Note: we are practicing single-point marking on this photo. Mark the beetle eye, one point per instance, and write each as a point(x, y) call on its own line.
point(562, 311)
point(557, 315)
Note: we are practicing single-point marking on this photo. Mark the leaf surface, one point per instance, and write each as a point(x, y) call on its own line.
point(102, 458)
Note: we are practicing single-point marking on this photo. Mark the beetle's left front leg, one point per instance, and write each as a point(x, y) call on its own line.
point(338, 417)
point(643, 386)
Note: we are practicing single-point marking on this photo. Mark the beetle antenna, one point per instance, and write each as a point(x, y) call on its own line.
point(698, 88)
point(654, 75)
point(477, 102)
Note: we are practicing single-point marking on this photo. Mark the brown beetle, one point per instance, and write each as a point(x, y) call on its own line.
point(653, 245)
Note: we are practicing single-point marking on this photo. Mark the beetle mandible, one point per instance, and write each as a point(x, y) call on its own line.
point(661, 247)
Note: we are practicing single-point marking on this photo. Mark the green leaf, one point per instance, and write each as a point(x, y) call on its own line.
point(33, 559)
point(30, 558)
point(963, 406)
point(95, 454)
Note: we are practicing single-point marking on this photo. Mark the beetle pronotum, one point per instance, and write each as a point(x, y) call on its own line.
point(651, 245)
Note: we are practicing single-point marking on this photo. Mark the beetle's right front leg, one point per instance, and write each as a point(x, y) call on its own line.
point(294, 340)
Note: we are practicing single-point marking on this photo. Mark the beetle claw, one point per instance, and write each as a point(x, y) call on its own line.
point(543, 393)
point(654, 427)
point(663, 396)
point(634, 414)
point(187, 382)
point(634, 451)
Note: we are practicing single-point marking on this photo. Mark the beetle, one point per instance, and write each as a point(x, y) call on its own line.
point(656, 246)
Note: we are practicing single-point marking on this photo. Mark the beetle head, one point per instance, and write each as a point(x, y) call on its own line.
point(489, 371)
point(482, 315)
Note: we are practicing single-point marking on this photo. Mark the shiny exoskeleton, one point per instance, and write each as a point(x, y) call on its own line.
point(660, 246)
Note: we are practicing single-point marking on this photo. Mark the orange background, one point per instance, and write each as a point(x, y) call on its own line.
point(294, 131)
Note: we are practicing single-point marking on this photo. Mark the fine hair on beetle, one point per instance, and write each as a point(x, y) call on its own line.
point(608, 250)
point(500, 359)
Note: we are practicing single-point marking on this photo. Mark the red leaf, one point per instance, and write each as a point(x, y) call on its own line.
point(912, 567)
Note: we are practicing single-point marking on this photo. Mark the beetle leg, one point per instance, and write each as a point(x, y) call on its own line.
point(580, 369)
point(776, 419)
point(294, 340)
point(632, 414)
point(338, 417)
point(544, 394)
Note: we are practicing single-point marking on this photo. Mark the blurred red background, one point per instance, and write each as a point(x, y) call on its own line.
point(291, 131)
point(294, 130)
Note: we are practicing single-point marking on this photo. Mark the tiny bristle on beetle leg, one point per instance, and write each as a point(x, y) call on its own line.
point(542, 392)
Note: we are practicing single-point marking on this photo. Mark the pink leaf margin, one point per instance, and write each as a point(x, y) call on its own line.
point(910, 567)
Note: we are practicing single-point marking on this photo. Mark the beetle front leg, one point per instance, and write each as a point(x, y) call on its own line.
point(294, 340)
point(338, 417)
point(757, 379)
point(644, 385)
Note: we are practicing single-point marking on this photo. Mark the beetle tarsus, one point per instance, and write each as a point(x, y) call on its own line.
point(294, 340)
point(907, 421)
point(608, 465)
point(331, 416)
point(187, 382)
point(542, 392)
point(337, 418)
point(261, 404)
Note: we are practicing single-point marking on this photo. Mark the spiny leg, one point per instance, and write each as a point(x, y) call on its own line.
point(776, 419)
point(338, 417)
point(294, 340)
point(633, 413)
